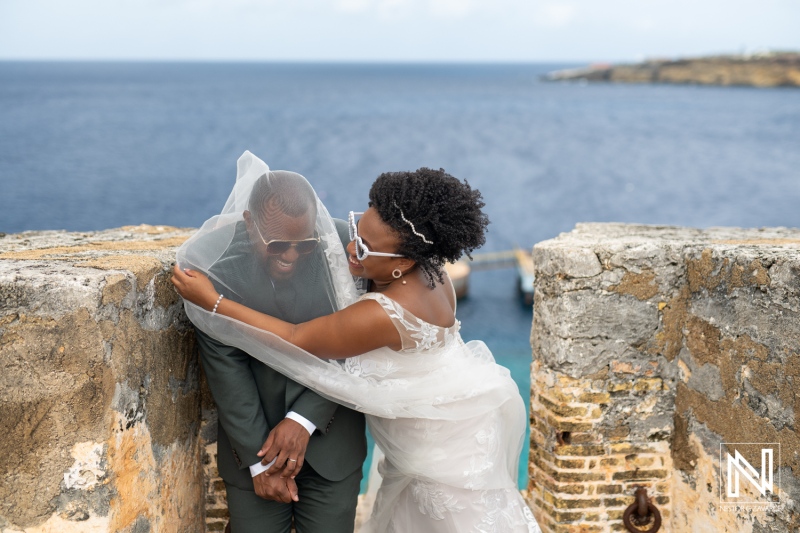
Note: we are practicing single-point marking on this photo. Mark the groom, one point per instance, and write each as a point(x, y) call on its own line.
point(270, 267)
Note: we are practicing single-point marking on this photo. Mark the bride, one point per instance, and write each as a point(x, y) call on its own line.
point(449, 420)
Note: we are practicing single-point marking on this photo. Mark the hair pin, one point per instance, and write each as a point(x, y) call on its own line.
point(413, 229)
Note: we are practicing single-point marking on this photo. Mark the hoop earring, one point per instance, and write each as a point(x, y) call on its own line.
point(397, 274)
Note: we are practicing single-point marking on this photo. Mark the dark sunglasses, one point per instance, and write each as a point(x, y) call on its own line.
point(280, 246)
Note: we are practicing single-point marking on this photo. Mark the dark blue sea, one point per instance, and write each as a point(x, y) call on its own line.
point(89, 146)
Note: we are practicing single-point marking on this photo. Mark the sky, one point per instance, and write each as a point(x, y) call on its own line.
point(394, 30)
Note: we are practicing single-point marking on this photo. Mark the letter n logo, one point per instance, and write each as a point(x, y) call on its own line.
point(738, 467)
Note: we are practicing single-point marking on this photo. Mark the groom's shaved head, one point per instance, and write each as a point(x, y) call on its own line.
point(289, 192)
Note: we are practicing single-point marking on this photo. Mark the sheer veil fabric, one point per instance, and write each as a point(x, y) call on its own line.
point(449, 420)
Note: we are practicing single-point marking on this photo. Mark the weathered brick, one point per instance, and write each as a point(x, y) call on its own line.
point(565, 516)
point(542, 429)
point(563, 488)
point(217, 513)
point(545, 467)
point(537, 437)
point(640, 474)
point(578, 528)
point(215, 526)
point(648, 384)
point(640, 461)
point(595, 413)
point(618, 387)
point(610, 461)
point(569, 463)
point(615, 514)
point(623, 501)
point(549, 497)
point(581, 450)
point(537, 451)
point(568, 425)
point(609, 489)
point(617, 433)
point(595, 397)
point(624, 367)
point(545, 522)
point(625, 448)
point(577, 503)
point(583, 438)
point(630, 488)
point(561, 409)
point(576, 476)
point(566, 382)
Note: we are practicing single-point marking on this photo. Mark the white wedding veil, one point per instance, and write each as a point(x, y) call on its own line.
point(372, 383)
point(449, 420)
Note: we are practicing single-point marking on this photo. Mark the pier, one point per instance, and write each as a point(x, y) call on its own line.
point(517, 258)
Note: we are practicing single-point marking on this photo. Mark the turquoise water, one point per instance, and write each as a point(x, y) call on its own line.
point(98, 145)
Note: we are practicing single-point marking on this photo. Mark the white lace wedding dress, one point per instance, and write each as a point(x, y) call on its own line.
point(445, 475)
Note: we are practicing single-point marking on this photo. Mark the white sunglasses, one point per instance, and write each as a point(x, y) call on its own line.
point(362, 252)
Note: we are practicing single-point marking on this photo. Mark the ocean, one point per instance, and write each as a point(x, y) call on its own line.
point(95, 145)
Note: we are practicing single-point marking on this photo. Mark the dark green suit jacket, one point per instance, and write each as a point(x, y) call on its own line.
point(251, 397)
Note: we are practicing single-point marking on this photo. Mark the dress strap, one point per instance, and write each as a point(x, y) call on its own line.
point(415, 334)
point(397, 315)
point(391, 307)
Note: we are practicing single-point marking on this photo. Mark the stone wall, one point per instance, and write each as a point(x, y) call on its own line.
point(655, 349)
point(652, 347)
point(100, 404)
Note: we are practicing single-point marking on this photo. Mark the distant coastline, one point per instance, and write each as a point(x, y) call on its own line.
point(770, 69)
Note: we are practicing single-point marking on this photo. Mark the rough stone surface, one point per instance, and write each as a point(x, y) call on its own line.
point(100, 403)
point(681, 341)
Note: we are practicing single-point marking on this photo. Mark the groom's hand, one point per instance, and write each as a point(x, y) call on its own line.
point(275, 488)
point(286, 443)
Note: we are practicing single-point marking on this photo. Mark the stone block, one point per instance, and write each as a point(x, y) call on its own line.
point(100, 407)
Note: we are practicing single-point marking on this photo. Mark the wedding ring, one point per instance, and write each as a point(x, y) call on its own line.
point(293, 460)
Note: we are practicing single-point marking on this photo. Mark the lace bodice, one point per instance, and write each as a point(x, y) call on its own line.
point(416, 334)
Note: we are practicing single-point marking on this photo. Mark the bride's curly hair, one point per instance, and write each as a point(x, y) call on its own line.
point(446, 211)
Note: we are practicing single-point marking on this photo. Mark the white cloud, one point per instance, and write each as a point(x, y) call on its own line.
point(643, 24)
point(556, 15)
point(353, 6)
point(392, 29)
point(451, 8)
point(383, 9)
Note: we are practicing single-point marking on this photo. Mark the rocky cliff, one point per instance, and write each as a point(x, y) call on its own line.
point(776, 69)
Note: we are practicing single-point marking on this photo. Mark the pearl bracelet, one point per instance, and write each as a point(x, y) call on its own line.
point(213, 311)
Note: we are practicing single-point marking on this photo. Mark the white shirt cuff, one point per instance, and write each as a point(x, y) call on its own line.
point(303, 421)
point(257, 468)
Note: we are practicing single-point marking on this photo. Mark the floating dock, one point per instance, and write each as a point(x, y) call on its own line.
point(517, 258)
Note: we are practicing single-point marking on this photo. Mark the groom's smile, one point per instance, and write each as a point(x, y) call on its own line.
point(281, 269)
point(281, 240)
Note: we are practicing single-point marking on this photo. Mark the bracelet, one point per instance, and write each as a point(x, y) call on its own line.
point(213, 311)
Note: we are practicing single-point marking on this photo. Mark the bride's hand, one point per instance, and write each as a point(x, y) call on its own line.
point(195, 287)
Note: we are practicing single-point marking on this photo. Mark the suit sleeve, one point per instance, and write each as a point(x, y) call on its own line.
point(309, 404)
point(238, 403)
